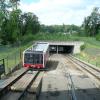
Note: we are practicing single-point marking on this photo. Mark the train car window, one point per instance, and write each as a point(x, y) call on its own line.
point(41, 59)
point(37, 59)
point(31, 58)
point(28, 58)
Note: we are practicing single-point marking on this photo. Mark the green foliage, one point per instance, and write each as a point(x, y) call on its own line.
point(31, 23)
point(98, 37)
point(14, 4)
point(27, 38)
point(52, 37)
point(82, 47)
point(14, 24)
point(91, 23)
point(91, 52)
point(67, 29)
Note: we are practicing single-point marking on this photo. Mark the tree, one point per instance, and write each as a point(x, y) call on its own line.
point(30, 23)
point(14, 4)
point(14, 21)
point(14, 24)
point(4, 14)
point(11, 27)
point(3, 6)
point(91, 23)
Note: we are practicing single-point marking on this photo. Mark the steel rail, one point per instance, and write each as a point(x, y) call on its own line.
point(21, 93)
point(25, 90)
point(85, 68)
point(98, 70)
point(6, 88)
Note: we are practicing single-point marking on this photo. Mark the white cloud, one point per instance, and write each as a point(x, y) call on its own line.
point(59, 11)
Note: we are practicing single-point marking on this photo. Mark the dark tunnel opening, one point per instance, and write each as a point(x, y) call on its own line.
point(53, 48)
point(63, 49)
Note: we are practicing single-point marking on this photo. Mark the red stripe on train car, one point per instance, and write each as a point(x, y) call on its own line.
point(33, 66)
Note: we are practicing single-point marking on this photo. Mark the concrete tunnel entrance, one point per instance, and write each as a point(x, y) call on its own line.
point(63, 49)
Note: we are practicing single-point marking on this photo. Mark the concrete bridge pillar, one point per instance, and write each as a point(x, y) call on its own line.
point(57, 49)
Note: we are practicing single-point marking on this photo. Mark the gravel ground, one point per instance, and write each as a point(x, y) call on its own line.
point(55, 82)
point(54, 86)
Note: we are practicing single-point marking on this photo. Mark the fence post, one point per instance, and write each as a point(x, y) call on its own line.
point(4, 65)
point(15, 58)
point(88, 60)
point(96, 64)
point(7, 65)
point(20, 56)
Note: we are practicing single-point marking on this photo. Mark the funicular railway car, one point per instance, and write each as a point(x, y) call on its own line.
point(36, 56)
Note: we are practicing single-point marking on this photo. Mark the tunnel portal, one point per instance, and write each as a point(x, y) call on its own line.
point(62, 49)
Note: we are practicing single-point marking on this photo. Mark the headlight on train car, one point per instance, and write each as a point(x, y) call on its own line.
point(33, 66)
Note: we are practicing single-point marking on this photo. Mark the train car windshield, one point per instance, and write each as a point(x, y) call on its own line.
point(31, 58)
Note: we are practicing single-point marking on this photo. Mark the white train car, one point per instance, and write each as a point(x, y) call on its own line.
point(36, 56)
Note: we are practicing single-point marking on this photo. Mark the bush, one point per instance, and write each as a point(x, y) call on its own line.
point(98, 37)
point(3, 42)
point(83, 47)
point(27, 38)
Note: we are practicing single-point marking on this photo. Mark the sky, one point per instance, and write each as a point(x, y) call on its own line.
point(58, 12)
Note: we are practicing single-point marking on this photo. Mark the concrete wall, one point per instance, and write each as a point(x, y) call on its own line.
point(77, 47)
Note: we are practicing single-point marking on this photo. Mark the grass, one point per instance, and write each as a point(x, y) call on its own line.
point(90, 54)
point(60, 37)
point(12, 55)
point(9, 50)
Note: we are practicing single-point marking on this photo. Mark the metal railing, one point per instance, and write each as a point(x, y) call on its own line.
point(11, 62)
point(2, 67)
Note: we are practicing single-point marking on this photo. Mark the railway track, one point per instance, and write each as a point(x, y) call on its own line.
point(71, 86)
point(92, 71)
point(81, 86)
point(5, 84)
point(66, 81)
point(27, 86)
